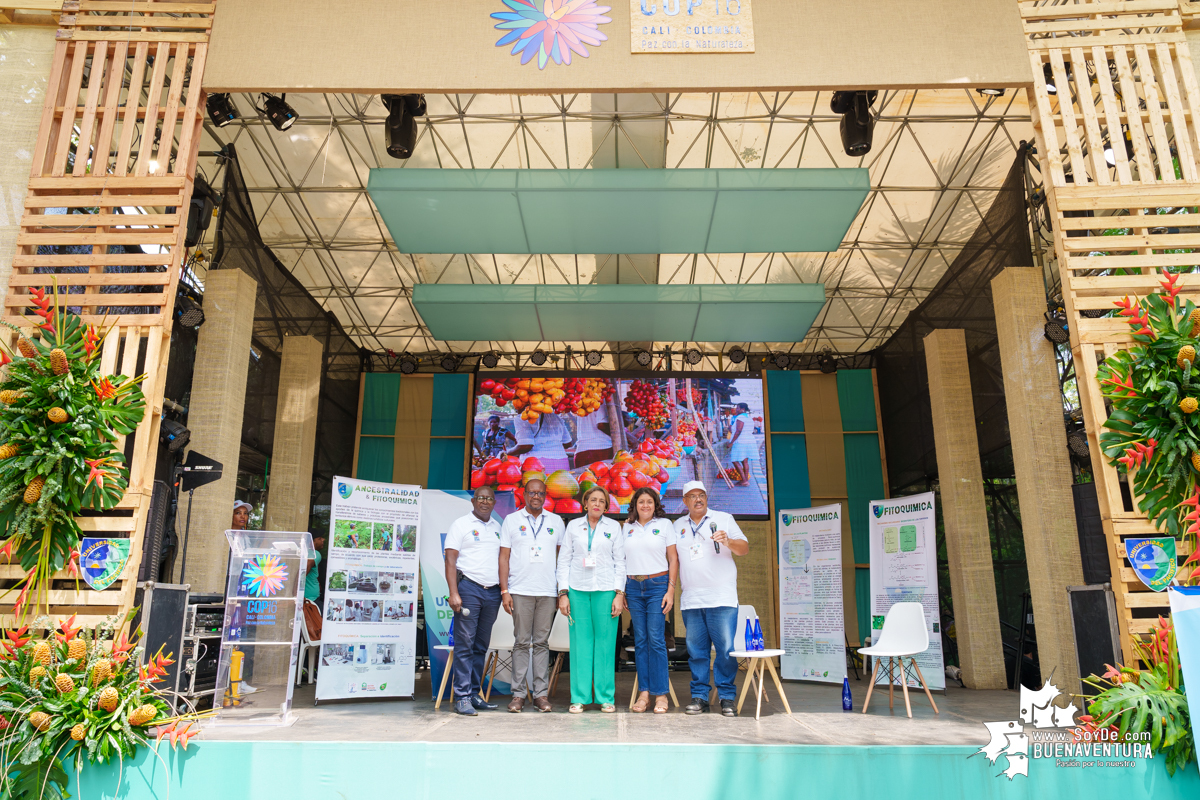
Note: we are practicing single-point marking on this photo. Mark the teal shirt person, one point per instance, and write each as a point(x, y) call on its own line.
point(312, 586)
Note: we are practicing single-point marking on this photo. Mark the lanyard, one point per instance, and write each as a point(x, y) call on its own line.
point(591, 532)
point(541, 524)
point(696, 526)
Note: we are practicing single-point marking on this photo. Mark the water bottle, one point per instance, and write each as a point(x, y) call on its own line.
point(847, 699)
point(450, 634)
point(750, 640)
point(759, 644)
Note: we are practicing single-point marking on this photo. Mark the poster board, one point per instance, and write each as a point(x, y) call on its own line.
point(369, 635)
point(813, 629)
point(904, 569)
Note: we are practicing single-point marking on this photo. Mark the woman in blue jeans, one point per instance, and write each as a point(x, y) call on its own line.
point(652, 568)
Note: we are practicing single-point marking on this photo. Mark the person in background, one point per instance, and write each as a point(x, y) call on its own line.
point(495, 439)
point(593, 441)
point(473, 576)
point(545, 439)
point(591, 595)
point(653, 568)
point(708, 540)
point(529, 544)
point(312, 581)
point(742, 445)
point(376, 611)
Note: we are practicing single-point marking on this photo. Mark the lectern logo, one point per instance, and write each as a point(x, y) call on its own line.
point(264, 576)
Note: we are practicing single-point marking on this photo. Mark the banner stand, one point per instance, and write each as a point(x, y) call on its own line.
point(812, 623)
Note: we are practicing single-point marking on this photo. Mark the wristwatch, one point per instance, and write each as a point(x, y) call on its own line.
point(562, 592)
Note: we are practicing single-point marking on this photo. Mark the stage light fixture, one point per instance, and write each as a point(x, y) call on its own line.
point(282, 115)
point(538, 358)
point(826, 362)
point(1048, 74)
point(692, 356)
point(408, 364)
point(991, 92)
point(858, 126)
point(593, 358)
point(188, 312)
point(736, 355)
point(643, 358)
point(1056, 327)
point(220, 109)
point(449, 362)
point(1077, 443)
point(490, 360)
point(782, 360)
point(173, 435)
point(400, 128)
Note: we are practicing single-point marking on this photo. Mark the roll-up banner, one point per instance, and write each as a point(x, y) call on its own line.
point(369, 635)
point(904, 570)
point(812, 625)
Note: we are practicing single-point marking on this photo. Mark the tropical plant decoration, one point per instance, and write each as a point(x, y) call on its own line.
point(1149, 700)
point(75, 698)
point(1153, 430)
point(59, 423)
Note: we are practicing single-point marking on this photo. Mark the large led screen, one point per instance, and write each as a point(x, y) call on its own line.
point(622, 433)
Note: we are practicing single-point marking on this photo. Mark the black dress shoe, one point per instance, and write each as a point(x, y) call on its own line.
point(481, 704)
point(463, 706)
point(728, 708)
point(698, 706)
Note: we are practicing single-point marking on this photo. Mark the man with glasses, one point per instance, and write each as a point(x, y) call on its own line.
point(529, 543)
point(472, 572)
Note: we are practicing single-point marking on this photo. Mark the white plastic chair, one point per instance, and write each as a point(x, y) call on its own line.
point(504, 638)
point(904, 635)
point(559, 642)
point(311, 649)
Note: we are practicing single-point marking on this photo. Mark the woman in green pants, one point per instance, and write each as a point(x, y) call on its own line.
point(591, 594)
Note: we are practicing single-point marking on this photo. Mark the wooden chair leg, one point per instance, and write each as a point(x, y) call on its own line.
point(778, 685)
point(758, 668)
point(671, 686)
point(904, 688)
point(633, 697)
point(891, 685)
point(745, 688)
point(871, 686)
point(445, 677)
point(492, 678)
point(554, 674)
point(925, 687)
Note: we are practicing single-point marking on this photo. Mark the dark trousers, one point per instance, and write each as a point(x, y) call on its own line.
point(472, 634)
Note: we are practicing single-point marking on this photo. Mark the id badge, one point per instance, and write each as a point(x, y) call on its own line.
point(589, 561)
point(537, 554)
point(698, 549)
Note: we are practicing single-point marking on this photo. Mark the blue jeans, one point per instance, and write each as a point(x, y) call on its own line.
point(472, 635)
point(712, 628)
point(649, 632)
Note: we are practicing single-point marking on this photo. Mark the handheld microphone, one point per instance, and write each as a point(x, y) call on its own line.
point(712, 526)
point(466, 612)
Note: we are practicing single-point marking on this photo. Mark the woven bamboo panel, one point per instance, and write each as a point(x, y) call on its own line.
point(1124, 84)
point(113, 168)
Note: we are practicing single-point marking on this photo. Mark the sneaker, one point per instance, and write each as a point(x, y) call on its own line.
point(728, 708)
point(245, 688)
point(482, 705)
point(463, 706)
point(516, 705)
point(698, 706)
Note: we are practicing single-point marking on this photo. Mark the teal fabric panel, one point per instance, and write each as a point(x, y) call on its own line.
point(864, 483)
point(786, 403)
point(446, 463)
point(450, 401)
point(375, 455)
point(862, 599)
point(381, 396)
point(856, 398)
point(789, 478)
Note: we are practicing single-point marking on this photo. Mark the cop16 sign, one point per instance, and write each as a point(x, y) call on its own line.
point(691, 26)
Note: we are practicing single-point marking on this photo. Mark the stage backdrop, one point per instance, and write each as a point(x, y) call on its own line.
point(369, 635)
point(810, 594)
point(904, 569)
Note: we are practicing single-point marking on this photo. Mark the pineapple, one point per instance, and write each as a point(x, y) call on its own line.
point(26, 347)
point(143, 714)
point(37, 673)
point(8, 450)
point(58, 362)
point(40, 720)
point(64, 683)
point(108, 699)
point(78, 732)
point(1187, 354)
point(77, 649)
point(42, 653)
point(10, 396)
point(56, 414)
point(101, 672)
point(33, 492)
point(1188, 405)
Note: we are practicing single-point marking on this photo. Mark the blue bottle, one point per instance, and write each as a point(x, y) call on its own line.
point(847, 699)
point(759, 644)
point(750, 640)
point(450, 634)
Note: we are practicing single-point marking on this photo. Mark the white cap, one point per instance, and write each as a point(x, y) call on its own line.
point(690, 485)
point(242, 503)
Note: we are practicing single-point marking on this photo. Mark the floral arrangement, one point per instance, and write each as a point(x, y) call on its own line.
point(59, 423)
point(1153, 430)
point(74, 698)
point(1150, 700)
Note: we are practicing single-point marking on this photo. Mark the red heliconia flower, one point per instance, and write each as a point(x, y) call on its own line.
point(121, 648)
point(90, 340)
point(99, 470)
point(104, 389)
point(7, 549)
point(5, 358)
point(1125, 384)
point(67, 631)
point(73, 563)
point(1169, 285)
point(17, 637)
point(1131, 459)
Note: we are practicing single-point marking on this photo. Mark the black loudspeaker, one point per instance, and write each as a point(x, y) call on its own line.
point(163, 609)
point(1097, 638)
point(156, 529)
point(1092, 547)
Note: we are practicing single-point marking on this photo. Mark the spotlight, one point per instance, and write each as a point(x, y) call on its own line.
point(173, 435)
point(538, 358)
point(449, 362)
point(1077, 443)
point(782, 360)
point(1048, 74)
point(857, 125)
point(593, 358)
point(282, 115)
point(200, 211)
point(644, 358)
point(1056, 327)
point(188, 312)
point(736, 355)
point(826, 362)
point(991, 92)
point(692, 356)
point(220, 109)
point(400, 129)
point(408, 364)
point(490, 360)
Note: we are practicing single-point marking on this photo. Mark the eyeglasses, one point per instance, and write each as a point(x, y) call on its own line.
point(534, 494)
point(486, 499)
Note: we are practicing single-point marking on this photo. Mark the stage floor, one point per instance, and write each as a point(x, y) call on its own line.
point(817, 719)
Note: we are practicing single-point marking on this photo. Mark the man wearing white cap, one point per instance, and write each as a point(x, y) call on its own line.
point(707, 542)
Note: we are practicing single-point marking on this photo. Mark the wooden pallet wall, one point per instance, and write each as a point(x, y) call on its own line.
point(1125, 82)
point(116, 151)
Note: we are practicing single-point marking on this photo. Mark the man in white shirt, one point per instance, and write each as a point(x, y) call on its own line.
point(472, 572)
point(529, 543)
point(707, 542)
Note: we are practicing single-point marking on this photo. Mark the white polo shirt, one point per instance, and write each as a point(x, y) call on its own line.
point(478, 546)
point(533, 542)
point(708, 578)
point(606, 555)
point(646, 546)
